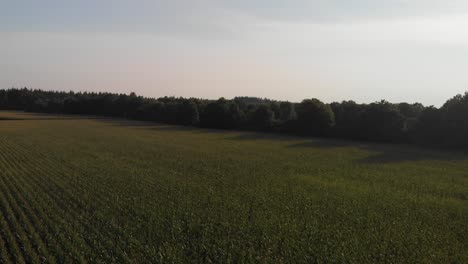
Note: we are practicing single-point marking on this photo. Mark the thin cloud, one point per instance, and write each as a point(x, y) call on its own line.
point(337, 11)
point(177, 18)
point(204, 18)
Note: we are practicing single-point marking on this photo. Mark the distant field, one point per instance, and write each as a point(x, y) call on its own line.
point(102, 190)
point(12, 115)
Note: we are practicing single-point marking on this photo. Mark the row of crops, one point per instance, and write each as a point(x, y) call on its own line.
point(114, 191)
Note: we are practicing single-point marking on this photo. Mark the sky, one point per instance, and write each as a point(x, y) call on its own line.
point(333, 50)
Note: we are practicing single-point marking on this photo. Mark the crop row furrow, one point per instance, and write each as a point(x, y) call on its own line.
point(30, 227)
point(22, 208)
point(11, 250)
point(4, 240)
point(16, 236)
point(46, 155)
point(89, 208)
point(45, 208)
point(31, 220)
point(102, 192)
point(83, 186)
point(8, 245)
point(36, 208)
point(54, 174)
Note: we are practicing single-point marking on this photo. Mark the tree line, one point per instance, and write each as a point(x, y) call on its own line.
point(382, 121)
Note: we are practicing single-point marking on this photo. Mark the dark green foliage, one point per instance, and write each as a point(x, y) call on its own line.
point(222, 114)
point(447, 126)
point(380, 121)
point(187, 113)
point(245, 100)
point(286, 111)
point(263, 118)
point(429, 127)
point(347, 119)
point(410, 110)
point(455, 112)
point(314, 117)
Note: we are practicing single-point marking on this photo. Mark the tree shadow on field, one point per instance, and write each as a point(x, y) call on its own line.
point(9, 118)
point(41, 118)
point(385, 153)
point(378, 153)
point(161, 126)
point(18, 115)
point(262, 136)
point(144, 125)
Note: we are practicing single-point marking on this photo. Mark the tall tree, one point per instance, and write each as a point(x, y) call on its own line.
point(314, 117)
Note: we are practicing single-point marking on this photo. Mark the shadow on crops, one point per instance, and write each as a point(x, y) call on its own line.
point(378, 152)
point(385, 153)
point(160, 126)
point(263, 136)
point(41, 118)
point(11, 116)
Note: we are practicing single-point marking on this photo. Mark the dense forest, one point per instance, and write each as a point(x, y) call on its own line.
point(382, 121)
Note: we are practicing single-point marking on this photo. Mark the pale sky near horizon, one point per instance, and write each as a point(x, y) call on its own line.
point(363, 50)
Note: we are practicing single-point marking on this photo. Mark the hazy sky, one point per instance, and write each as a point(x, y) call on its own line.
point(364, 50)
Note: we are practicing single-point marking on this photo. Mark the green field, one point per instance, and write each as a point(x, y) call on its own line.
point(115, 191)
